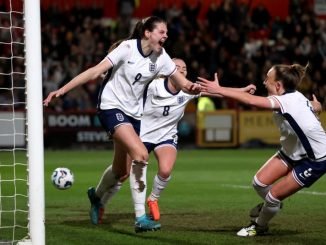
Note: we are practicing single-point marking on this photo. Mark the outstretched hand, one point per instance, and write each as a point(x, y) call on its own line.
point(55, 94)
point(209, 86)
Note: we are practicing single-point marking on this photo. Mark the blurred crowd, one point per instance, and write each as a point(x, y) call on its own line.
point(237, 42)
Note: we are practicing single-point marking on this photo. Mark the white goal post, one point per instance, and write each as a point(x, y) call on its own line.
point(21, 159)
point(35, 146)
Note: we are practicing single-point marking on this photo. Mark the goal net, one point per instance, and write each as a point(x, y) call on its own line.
point(21, 124)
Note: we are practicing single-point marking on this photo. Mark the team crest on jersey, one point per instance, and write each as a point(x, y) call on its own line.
point(119, 117)
point(152, 67)
point(181, 99)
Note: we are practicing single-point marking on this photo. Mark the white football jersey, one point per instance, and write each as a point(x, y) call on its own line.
point(301, 132)
point(162, 112)
point(130, 74)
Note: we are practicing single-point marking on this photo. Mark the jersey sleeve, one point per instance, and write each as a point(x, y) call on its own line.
point(280, 100)
point(120, 53)
point(168, 66)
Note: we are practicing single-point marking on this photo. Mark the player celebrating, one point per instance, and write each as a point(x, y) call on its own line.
point(163, 109)
point(301, 161)
point(129, 67)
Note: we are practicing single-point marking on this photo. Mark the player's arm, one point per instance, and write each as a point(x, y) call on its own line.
point(215, 90)
point(115, 55)
point(88, 75)
point(184, 84)
point(251, 89)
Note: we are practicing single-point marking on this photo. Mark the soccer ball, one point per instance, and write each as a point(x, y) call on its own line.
point(62, 178)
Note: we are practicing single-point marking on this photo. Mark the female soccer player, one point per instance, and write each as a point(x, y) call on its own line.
point(163, 109)
point(129, 67)
point(301, 161)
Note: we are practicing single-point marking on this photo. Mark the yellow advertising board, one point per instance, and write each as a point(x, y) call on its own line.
point(217, 128)
point(257, 125)
point(260, 125)
point(322, 118)
point(226, 128)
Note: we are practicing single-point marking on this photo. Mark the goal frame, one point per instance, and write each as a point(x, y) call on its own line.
point(34, 108)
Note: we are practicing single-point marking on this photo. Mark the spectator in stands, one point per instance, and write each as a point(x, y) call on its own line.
point(160, 10)
point(191, 12)
point(126, 8)
point(260, 17)
point(280, 46)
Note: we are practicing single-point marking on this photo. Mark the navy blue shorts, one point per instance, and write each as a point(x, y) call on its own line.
point(305, 171)
point(151, 146)
point(112, 118)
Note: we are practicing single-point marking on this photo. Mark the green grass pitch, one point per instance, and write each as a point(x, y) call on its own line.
point(206, 202)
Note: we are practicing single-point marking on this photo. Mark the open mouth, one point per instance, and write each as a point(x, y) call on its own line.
point(161, 42)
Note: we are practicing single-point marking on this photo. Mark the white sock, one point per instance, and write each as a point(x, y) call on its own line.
point(107, 181)
point(260, 188)
point(110, 193)
point(138, 186)
point(159, 185)
point(269, 210)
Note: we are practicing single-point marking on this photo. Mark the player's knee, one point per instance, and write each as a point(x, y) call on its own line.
point(141, 155)
point(165, 175)
point(261, 188)
point(164, 172)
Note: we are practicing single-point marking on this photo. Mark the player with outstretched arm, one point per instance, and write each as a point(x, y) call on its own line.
point(130, 65)
point(163, 109)
point(301, 160)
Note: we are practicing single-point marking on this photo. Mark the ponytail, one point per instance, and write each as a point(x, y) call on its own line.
point(146, 24)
